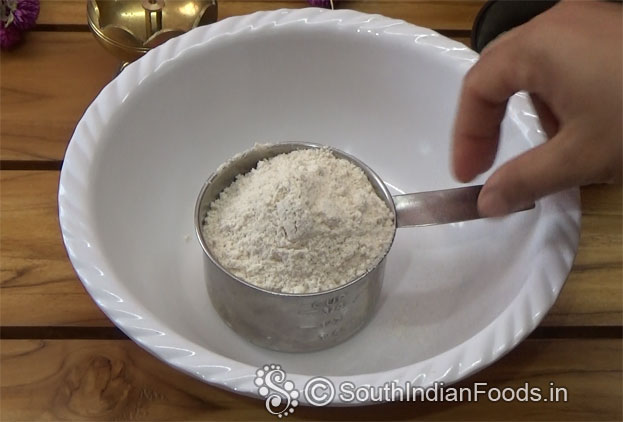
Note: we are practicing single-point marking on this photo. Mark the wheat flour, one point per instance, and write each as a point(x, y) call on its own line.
point(300, 222)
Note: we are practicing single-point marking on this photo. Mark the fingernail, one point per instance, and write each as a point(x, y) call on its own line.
point(492, 204)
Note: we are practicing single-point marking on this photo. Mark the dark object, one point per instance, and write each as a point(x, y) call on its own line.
point(499, 16)
point(327, 4)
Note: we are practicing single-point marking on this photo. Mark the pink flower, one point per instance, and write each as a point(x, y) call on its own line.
point(9, 36)
point(25, 14)
point(16, 16)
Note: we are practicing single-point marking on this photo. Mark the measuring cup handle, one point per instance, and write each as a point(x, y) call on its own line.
point(439, 207)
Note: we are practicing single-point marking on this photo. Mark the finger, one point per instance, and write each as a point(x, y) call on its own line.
point(548, 168)
point(505, 69)
point(549, 122)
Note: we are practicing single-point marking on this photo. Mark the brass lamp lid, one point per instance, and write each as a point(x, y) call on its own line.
point(130, 28)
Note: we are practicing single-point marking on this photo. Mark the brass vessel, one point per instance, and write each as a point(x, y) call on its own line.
point(130, 28)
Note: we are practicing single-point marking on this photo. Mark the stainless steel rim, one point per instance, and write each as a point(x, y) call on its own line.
point(374, 179)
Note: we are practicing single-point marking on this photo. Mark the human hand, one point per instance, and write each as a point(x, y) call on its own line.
point(569, 59)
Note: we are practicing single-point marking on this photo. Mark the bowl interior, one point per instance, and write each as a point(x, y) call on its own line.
point(387, 101)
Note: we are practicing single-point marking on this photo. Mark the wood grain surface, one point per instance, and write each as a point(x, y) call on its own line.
point(38, 285)
point(63, 12)
point(37, 278)
point(457, 15)
point(116, 380)
point(444, 15)
point(46, 84)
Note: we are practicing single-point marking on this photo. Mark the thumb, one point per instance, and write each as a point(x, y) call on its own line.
point(548, 168)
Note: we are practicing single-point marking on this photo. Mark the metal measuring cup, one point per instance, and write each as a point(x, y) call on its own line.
point(290, 322)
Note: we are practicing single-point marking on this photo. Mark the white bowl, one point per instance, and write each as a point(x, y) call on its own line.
point(456, 297)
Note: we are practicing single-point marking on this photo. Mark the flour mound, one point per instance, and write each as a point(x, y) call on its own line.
point(299, 222)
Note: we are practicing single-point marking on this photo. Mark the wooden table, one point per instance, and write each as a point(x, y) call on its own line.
point(63, 359)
